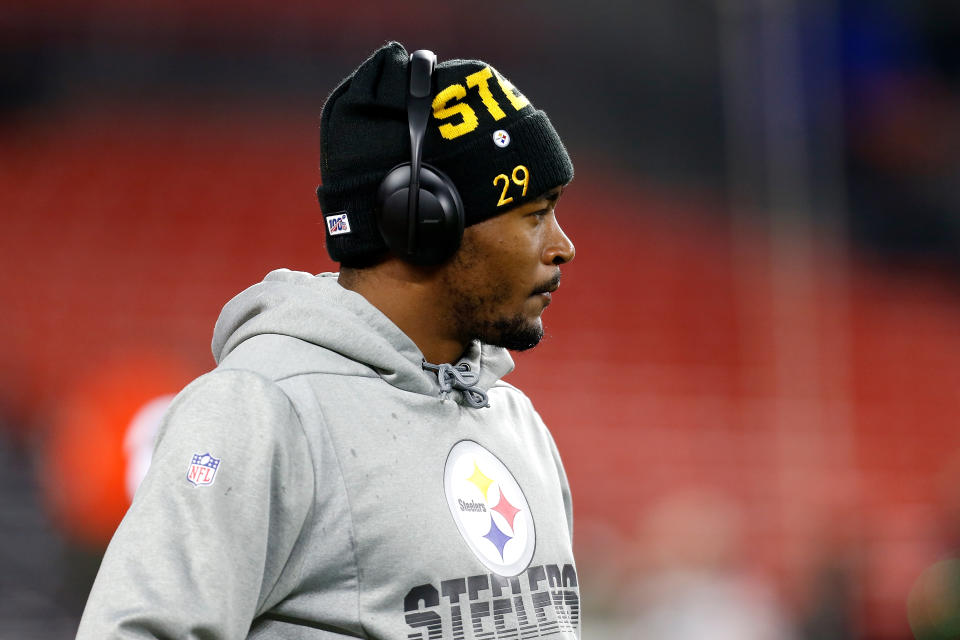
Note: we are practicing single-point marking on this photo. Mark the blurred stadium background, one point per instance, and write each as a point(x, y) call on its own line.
point(753, 366)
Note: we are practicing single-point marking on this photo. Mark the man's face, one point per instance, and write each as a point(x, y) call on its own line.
point(499, 281)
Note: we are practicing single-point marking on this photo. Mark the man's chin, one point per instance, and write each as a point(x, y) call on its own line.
point(516, 334)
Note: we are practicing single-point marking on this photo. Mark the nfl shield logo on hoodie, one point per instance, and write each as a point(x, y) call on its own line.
point(203, 469)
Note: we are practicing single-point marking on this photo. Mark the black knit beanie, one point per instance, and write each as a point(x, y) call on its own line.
point(483, 134)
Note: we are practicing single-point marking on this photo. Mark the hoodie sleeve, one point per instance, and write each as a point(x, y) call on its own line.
point(213, 524)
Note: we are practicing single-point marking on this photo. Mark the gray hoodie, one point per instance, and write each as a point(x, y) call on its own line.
point(320, 483)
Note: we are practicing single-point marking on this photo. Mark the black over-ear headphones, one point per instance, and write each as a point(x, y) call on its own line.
point(420, 213)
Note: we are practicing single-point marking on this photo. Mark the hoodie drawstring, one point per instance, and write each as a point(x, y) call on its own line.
point(461, 378)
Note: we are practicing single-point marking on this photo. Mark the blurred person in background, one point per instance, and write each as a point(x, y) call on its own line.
point(354, 467)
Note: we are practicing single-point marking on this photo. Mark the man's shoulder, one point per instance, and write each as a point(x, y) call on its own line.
point(281, 357)
point(507, 387)
point(505, 390)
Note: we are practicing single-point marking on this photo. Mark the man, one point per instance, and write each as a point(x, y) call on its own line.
point(354, 467)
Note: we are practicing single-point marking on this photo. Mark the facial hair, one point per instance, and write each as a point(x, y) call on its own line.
point(516, 332)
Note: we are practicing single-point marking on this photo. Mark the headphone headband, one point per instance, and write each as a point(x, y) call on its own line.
point(422, 64)
point(419, 213)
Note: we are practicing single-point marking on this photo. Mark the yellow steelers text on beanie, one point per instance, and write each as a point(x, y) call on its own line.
point(483, 134)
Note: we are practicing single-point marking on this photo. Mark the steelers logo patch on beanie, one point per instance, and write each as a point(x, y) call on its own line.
point(484, 134)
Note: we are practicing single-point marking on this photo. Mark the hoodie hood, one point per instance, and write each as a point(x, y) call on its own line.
point(316, 309)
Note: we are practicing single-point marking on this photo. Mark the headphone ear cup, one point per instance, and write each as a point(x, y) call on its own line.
point(392, 208)
point(439, 218)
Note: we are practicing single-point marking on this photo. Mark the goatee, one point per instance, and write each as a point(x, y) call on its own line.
point(516, 333)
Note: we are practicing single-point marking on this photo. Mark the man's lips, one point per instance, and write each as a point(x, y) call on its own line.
point(547, 288)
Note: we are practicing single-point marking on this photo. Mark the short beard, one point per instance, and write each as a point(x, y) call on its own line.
point(467, 307)
point(515, 334)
